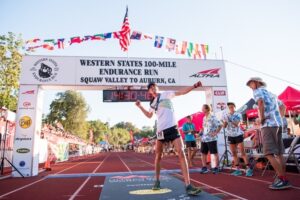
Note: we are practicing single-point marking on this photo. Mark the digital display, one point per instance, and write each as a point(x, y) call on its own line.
point(125, 95)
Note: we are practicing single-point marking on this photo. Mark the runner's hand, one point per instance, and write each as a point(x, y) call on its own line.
point(198, 84)
point(138, 103)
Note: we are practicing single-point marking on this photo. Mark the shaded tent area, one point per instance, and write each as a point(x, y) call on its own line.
point(143, 140)
point(291, 99)
point(197, 119)
point(248, 110)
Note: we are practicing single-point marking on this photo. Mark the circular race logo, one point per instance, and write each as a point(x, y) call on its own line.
point(45, 70)
point(25, 122)
point(22, 164)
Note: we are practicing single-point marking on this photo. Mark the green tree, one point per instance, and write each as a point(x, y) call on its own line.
point(99, 130)
point(128, 126)
point(71, 110)
point(10, 62)
point(147, 131)
point(118, 136)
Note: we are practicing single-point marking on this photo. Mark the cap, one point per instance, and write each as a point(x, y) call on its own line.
point(257, 79)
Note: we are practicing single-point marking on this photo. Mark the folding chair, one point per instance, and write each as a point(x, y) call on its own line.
point(255, 152)
point(292, 155)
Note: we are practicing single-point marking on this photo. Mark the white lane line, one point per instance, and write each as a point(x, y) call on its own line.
point(215, 188)
point(244, 177)
point(25, 186)
point(124, 163)
point(5, 177)
point(75, 194)
point(8, 176)
point(258, 180)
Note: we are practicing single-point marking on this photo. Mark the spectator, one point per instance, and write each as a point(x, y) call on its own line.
point(232, 120)
point(211, 128)
point(269, 108)
point(189, 138)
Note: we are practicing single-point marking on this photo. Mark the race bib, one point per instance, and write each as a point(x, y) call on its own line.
point(160, 135)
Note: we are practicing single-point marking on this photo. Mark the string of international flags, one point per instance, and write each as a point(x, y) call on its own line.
point(125, 36)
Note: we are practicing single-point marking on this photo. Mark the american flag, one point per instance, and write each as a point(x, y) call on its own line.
point(124, 34)
point(60, 43)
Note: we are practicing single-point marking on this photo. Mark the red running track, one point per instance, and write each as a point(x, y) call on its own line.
point(224, 185)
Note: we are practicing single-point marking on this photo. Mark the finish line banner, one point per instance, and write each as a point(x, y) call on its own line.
point(84, 71)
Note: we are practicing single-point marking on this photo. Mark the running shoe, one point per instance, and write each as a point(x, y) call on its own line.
point(156, 185)
point(249, 172)
point(215, 170)
point(192, 190)
point(280, 185)
point(276, 180)
point(237, 173)
point(204, 170)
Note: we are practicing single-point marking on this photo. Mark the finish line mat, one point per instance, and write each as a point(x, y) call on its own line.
point(138, 187)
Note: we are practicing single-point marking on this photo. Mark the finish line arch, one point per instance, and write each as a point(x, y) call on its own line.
point(40, 73)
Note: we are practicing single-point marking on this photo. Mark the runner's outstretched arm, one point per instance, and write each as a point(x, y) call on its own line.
point(188, 89)
point(146, 113)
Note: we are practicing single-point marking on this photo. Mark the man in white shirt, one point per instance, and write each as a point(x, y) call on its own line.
point(167, 130)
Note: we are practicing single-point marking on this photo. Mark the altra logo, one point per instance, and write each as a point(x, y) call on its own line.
point(211, 73)
point(28, 92)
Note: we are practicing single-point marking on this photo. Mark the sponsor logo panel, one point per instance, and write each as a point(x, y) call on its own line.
point(25, 122)
point(26, 105)
point(220, 93)
point(22, 163)
point(23, 150)
point(45, 70)
point(221, 105)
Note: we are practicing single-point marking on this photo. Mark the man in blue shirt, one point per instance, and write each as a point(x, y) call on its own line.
point(269, 108)
point(189, 138)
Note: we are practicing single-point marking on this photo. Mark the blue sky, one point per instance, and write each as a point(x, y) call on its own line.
point(262, 35)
